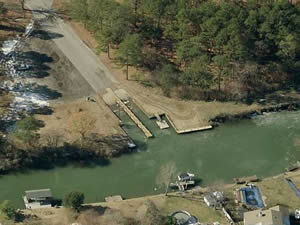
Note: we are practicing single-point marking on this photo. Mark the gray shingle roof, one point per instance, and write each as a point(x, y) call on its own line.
point(41, 193)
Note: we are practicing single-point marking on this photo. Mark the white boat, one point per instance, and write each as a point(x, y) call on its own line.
point(186, 176)
point(297, 214)
point(131, 145)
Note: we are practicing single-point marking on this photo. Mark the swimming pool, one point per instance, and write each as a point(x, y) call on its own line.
point(252, 197)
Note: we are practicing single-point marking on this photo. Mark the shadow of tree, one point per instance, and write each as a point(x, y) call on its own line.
point(46, 35)
point(46, 92)
point(32, 64)
point(36, 57)
point(12, 28)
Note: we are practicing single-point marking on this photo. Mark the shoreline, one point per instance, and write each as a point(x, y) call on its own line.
point(202, 189)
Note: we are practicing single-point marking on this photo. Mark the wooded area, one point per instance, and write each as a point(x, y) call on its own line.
point(201, 49)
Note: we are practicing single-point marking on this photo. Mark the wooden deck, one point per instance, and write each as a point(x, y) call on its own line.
point(182, 185)
point(243, 180)
point(115, 198)
point(208, 127)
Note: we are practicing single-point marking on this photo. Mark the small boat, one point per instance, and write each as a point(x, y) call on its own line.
point(297, 214)
point(186, 176)
point(131, 145)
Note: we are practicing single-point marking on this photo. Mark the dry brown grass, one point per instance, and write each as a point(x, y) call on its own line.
point(278, 192)
point(196, 207)
point(13, 23)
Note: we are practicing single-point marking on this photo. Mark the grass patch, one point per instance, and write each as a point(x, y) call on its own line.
point(196, 207)
point(278, 192)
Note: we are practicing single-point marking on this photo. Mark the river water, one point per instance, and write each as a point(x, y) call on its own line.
point(263, 146)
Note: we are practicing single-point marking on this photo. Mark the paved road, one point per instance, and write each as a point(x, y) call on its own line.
point(83, 58)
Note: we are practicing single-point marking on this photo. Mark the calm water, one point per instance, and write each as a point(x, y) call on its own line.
point(263, 146)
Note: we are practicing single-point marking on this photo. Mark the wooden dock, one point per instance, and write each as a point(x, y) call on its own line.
point(243, 180)
point(147, 133)
point(182, 185)
point(208, 127)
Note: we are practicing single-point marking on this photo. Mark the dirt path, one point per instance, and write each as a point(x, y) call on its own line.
point(75, 41)
point(84, 60)
point(184, 114)
point(74, 73)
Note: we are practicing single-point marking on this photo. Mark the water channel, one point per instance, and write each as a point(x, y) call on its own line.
point(263, 146)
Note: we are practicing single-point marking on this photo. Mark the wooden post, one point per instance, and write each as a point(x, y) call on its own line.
point(108, 54)
point(127, 68)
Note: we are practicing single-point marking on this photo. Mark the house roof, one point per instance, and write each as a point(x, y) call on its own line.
point(210, 199)
point(36, 194)
point(273, 216)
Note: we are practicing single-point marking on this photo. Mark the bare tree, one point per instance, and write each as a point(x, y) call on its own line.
point(113, 217)
point(52, 140)
point(22, 2)
point(81, 123)
point(89, 217)
point(166, 174)
point(154, 215)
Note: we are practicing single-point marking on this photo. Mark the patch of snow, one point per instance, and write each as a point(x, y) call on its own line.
point(29, 29)
point(27, 98)
point(9, 46)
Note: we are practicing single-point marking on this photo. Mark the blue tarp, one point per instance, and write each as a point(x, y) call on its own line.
point(293, 187)
point(252, 197)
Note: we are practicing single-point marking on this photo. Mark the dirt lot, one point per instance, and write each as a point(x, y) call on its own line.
point(70, 92)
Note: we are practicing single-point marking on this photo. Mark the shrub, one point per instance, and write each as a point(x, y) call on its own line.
point(8, 210)
point(74, 200)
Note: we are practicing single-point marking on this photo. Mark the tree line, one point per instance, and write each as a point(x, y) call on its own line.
point(25, 148)
point(201, 49)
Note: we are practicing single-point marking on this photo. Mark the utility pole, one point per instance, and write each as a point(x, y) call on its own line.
point(127, 67)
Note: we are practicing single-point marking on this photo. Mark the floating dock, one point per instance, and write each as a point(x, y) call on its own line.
point(182, 185)
point(243, 180)
point(162, 124)
point(147, 133)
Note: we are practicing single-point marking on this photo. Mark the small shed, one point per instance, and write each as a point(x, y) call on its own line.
point(210, 200)
point(38, 198)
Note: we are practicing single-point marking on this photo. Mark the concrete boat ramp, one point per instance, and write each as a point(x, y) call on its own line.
point(121, 98)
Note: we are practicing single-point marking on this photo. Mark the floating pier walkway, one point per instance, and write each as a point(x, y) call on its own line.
point(182, 185)
point(147, 133)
